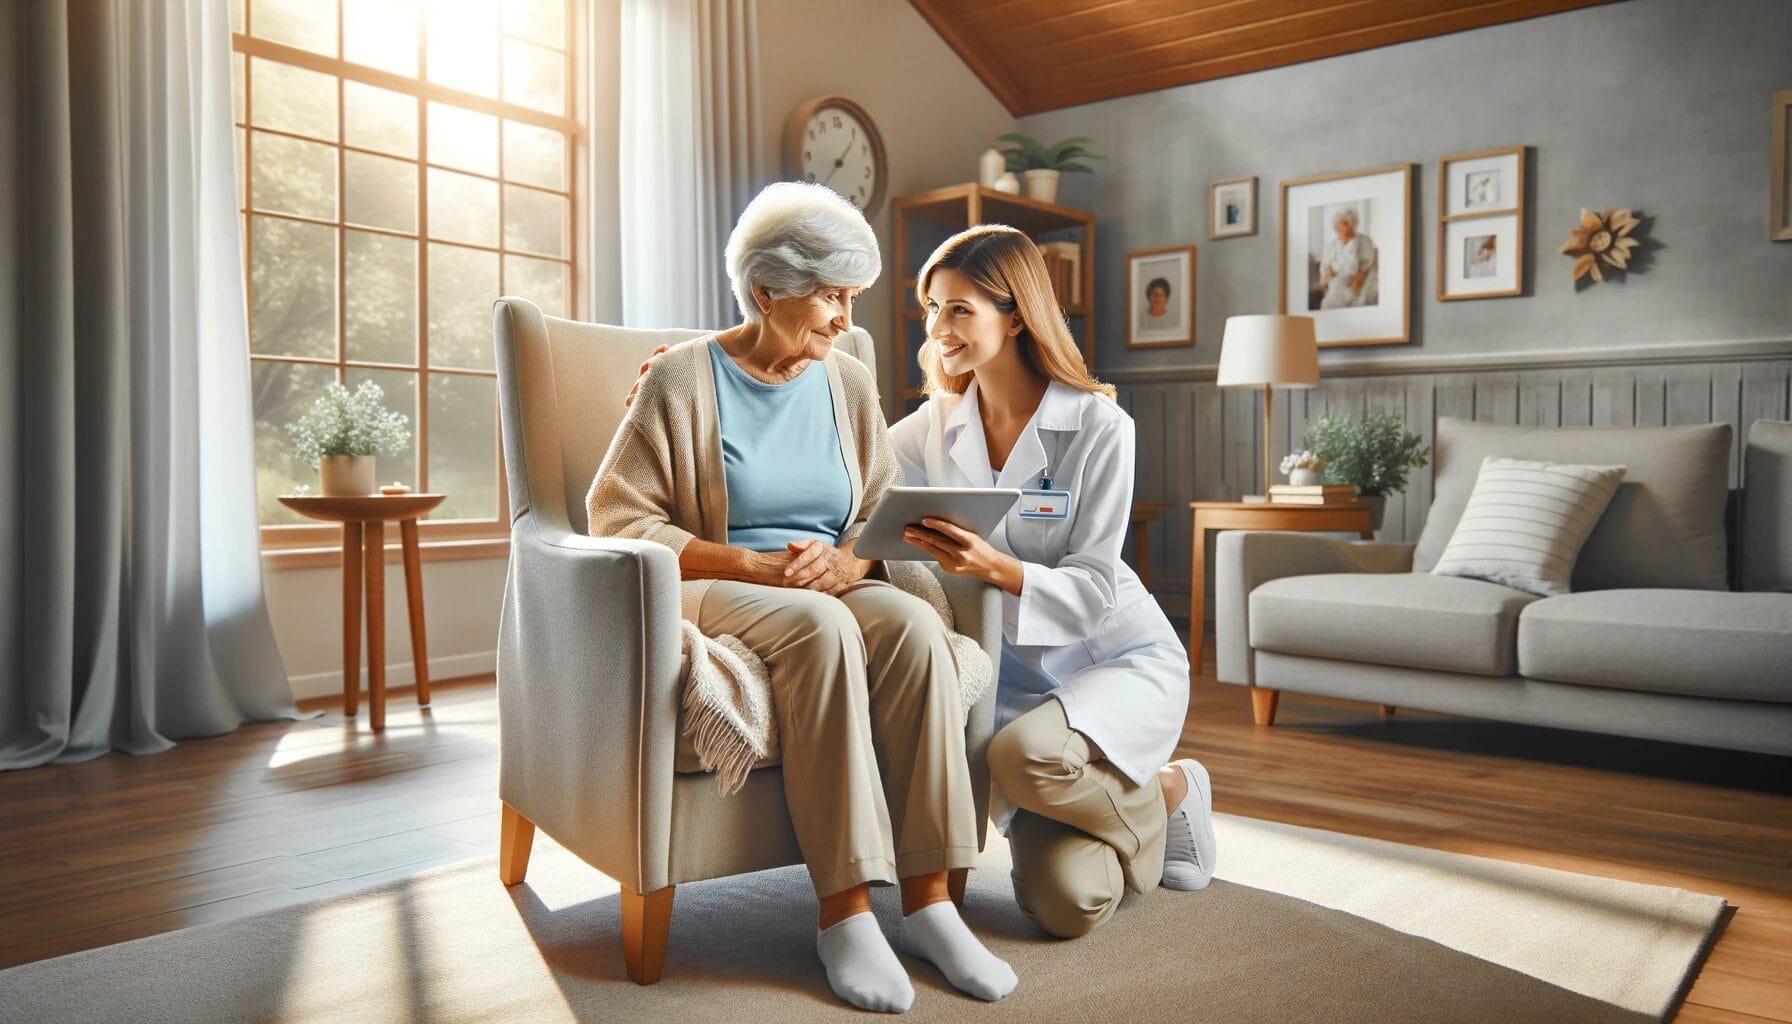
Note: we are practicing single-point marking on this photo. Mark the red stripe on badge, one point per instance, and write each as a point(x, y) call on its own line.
point(1046, 508)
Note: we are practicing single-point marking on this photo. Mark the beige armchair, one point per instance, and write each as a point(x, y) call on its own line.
point(589, 661)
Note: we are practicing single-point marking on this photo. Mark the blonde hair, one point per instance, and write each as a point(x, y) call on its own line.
point(1006, 267)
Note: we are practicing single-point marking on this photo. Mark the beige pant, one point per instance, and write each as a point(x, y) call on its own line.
point(866, 695)
point(1084, 831)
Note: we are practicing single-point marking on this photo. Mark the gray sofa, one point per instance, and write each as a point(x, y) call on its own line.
point(1653, 642)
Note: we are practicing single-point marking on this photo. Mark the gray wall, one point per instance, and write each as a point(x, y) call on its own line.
point(1656, 105)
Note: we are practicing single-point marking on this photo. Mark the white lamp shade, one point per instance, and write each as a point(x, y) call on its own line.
point(1265, 349)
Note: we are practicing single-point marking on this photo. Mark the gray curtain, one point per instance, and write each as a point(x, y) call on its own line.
point(689, 158)
point(131, 605)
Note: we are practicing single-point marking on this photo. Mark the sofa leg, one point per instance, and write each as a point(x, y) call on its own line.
point(1263, 705)
point(1387, 710)
point(516, 834)
point(646, 918)
point(955, 881)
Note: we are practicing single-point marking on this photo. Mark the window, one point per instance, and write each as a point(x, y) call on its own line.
point(401, 163)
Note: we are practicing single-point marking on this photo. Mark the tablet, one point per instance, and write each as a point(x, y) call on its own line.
point(973, 508)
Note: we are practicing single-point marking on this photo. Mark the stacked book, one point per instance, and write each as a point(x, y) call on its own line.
point(1315, 494)
point(1064, 262)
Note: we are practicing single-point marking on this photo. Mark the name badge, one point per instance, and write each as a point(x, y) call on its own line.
point(1040, 504)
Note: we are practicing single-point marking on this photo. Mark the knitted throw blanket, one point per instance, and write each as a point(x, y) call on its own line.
point(728, 711)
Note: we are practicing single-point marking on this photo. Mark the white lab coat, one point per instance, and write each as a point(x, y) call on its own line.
point(1084, 630)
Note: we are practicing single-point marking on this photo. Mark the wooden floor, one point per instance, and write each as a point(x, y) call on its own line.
point(270, 815)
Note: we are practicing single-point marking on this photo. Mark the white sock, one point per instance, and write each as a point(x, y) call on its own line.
point(862, 968)
point(936, 934)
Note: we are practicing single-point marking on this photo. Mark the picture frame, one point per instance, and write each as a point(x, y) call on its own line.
point(1160, 297)
point(1345, 254)
point(1480, 224)
point(1779, 225)
point(1232, 207)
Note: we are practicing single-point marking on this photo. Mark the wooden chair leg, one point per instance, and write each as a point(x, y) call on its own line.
point(516, 834)
point(955, 882)
point(1387, 710)
point(1263, 705)
point(646, 918)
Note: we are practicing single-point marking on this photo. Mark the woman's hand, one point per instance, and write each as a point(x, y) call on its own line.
point(633, 390)
point(963, 553)
point(815, 565)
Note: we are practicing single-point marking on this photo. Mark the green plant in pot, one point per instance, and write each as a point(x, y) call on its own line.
point(1041, 165)
point(343, 431)
point(1375, 453)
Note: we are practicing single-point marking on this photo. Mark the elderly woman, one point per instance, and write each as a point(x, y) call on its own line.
point(1348, 275)
point(757, 454)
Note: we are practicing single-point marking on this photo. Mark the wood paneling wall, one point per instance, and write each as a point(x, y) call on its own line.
point(1199, 443)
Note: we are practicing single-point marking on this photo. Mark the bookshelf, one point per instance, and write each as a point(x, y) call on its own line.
point(922, 221)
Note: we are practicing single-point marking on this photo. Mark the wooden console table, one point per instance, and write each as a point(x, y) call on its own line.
point(1144, 513)
point(1214, 516)
point(363, 519)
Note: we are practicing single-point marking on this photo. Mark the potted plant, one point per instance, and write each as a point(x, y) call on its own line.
point(1375, 453)
point(1041, 165)
point(342, 433)
point(1303, 469)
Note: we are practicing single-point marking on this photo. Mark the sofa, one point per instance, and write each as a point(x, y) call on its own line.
point(1678, 626)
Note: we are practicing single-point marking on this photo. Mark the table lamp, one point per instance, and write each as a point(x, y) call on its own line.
point(1266, 350)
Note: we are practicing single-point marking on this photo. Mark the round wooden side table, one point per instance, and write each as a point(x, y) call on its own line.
point(363, 518)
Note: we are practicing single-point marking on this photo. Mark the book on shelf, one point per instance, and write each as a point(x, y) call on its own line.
point(1316, 494)
point(1068, 263)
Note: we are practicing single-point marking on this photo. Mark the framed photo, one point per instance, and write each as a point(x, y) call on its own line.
point(1480, 224)
point(1346, 255)
point(1779, 226)
point(1160, 297)
point(1232, 207)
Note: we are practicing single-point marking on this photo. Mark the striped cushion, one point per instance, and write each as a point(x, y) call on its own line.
point(1525, 522)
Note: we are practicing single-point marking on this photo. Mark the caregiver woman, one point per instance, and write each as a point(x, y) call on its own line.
point(757, 454)
point(1094, 681)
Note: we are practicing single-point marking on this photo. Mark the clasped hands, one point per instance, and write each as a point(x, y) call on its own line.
point(817, 565)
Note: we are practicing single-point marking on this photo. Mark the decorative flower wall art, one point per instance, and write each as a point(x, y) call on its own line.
point(1601, 238)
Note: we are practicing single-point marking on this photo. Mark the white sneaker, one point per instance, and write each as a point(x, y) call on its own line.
point(1190, 850)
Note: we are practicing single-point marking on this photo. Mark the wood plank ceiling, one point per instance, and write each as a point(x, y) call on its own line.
point(1040, 55)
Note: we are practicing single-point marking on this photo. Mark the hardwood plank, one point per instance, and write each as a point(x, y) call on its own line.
point(1711, 821)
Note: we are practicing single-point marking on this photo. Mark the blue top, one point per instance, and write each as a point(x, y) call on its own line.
point(781, 457)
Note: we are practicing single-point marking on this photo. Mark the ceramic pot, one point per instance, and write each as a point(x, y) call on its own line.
point(343, 476)
point(990, 166)
point(1306, 477)
point(1007, 183)
point(1042, 185)
point(1378, 506)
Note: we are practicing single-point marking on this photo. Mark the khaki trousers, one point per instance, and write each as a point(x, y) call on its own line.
point(866, 696)
point(1083, 833)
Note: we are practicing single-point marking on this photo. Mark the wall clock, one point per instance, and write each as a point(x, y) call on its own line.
point(833, 141)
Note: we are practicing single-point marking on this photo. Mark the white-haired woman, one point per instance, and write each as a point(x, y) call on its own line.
point(1348, 274)
point(757, 454)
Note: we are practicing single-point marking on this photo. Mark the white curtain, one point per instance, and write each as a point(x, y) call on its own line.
point(688, 155)
point(131, 604)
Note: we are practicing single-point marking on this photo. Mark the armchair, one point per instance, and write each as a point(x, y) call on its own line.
point(590, 669)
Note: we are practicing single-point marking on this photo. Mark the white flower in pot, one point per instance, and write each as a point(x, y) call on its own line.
point(1304, 469)
point(341, 434)
point(1041, 165)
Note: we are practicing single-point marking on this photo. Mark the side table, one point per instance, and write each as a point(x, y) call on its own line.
point(1214, 516)
point(1144, 513)
point(363, 519)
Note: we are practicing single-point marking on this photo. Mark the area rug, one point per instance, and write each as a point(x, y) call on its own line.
point(1303, 925)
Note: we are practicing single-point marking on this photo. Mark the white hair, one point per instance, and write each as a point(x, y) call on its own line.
point(1348, 213)
point(796, 238)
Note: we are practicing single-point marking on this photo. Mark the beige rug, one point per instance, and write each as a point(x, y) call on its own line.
point(1304, 925)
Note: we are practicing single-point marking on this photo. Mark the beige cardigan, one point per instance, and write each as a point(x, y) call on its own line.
point(662, 477)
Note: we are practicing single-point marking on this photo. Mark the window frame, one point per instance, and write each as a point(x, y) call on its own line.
point(290, 545)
